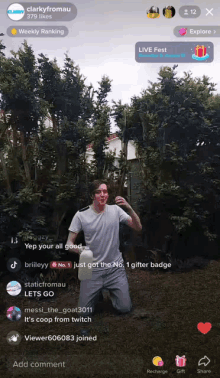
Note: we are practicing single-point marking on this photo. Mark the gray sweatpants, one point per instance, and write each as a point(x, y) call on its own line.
point(112, 279)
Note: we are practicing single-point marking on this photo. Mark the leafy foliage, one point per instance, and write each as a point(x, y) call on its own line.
point(44, 174)
point(176, 129)
point(101, 127)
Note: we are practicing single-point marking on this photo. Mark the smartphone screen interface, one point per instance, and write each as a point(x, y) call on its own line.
point(109, 189)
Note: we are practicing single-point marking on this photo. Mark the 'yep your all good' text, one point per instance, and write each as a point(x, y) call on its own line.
point(50, 246)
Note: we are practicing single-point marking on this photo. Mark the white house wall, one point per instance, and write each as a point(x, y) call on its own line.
point(114, 145)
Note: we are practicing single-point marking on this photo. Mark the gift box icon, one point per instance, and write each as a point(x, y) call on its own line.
point(180, 361)
point(200, 53)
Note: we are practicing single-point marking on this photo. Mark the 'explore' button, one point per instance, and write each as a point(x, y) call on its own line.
point(194, 31)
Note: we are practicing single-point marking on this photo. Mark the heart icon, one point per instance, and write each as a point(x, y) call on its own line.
point(204, 327)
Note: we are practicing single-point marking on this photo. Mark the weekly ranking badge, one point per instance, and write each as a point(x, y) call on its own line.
point(200, 53)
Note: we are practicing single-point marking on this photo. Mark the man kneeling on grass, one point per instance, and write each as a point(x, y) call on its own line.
point(100, 223)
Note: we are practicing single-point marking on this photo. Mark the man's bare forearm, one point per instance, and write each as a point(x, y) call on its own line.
point(70, 246)
point(135, 218)
point(134, 222)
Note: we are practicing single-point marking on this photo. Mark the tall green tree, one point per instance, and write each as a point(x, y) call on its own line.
point(70, 105)
point(20, 99)
point(123, 116)
point(177, 132)
point(101, 125)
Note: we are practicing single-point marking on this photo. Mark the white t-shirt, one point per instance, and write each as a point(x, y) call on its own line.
point(101, 231)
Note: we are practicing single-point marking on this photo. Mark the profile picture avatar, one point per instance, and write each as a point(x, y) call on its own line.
point(15, 12)
point(153, 12)
point(14, 313)
point(13, 288)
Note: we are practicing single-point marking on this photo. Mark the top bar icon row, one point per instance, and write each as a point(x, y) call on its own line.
point(186, 11)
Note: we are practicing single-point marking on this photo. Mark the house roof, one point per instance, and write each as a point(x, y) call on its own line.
point(109, 139)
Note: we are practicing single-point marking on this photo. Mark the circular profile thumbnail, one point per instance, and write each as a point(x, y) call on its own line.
point(14, 338)
point(15, 12)
point(13, 288)
point(153, 12)
point(14, 313)
point(169, 11)
point(14, 264)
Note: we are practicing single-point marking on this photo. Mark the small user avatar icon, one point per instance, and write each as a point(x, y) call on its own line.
point(14, 313)
point(180, 361)
point(200, 53)
point(15, 12)
point(183, 31)
point(169, 12)
point(14, 264)
point(13, 338)
point(13, 288)
point(157, 361)
point(153, 12)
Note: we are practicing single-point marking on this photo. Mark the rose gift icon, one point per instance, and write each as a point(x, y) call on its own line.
point(183, 31)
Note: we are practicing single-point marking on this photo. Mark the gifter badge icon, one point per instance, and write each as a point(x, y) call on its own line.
point(180, 361)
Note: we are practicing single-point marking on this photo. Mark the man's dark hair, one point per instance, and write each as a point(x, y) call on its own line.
point(93, 186)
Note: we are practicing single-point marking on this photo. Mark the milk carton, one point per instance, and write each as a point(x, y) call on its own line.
point(85, 264)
